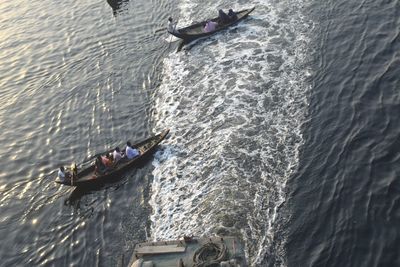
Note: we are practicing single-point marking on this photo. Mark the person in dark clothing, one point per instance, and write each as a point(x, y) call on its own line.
point(223, 17)
point(232, 15)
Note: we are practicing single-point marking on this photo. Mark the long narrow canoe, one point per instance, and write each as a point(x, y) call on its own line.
point(196, 31)
point(88, 176)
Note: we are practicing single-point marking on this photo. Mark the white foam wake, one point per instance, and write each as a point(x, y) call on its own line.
point(234, 103)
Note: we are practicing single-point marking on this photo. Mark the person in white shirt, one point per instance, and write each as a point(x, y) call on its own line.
point(131, 152)
point(172, 26)
point(210, 26)
point(62, 175)
point(117, 155)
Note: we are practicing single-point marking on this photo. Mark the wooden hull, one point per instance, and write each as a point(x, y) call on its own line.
point(195, 31)
point(87, 175)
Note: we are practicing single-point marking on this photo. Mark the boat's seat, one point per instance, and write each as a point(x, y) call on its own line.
point(142, 263)
point(229, 263)
point(147, 264)
point(160, 249)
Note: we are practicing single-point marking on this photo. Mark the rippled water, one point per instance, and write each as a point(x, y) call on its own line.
point(344, 201)
point(75, 80)
point(283, 130)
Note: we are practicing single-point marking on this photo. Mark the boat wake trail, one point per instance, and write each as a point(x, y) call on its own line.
point(235, 104)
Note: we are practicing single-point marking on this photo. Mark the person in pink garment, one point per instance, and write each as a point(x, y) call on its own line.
point(210, 26)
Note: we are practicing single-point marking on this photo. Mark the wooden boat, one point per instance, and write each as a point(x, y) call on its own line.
point(190, 251)
point(88, 176)
point(118, 5)
point(196, 31)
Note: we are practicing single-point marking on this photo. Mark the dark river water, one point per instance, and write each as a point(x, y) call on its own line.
point(283, 130)
point(344, 201)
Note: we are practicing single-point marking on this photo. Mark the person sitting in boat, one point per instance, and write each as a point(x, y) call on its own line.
point(131, 152)
point(223, 17)
point(107, 160)
point(100, 168)
point(210, 26)
point(74, 171)
point(62, 175)
point(232, 15)
point(172, 25)
point(117, 155)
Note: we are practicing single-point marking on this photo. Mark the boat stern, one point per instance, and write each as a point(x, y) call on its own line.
point(190, 251)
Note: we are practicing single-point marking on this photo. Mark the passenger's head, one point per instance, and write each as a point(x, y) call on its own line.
point(170, 19)
point(128, 144)
point(62, 168)
point(117, 149)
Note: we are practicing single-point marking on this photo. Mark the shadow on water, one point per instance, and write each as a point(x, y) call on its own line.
point(115, 183)
point(187, 46)
point(76, 194)
point(118, 6)
point(181, 45)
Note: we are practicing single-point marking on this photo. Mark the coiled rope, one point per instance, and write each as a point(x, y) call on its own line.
point(210, 254)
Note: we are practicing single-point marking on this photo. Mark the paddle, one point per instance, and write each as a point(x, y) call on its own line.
point(74, 172)
point(95, 156)
point(159, 30)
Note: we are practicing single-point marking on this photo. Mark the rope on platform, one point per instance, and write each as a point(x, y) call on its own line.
point(210, 254)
